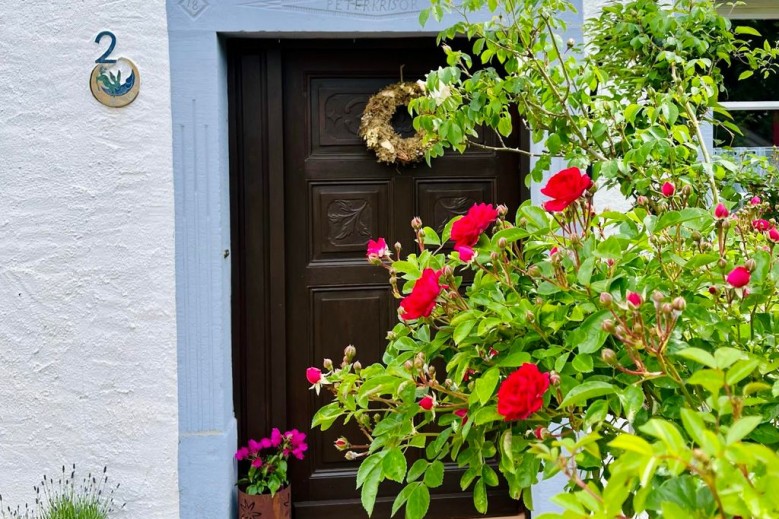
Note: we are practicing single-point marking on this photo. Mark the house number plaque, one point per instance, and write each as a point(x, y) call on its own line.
point(114, 82)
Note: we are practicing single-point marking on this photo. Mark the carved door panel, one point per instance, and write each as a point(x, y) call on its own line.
point(335, 197)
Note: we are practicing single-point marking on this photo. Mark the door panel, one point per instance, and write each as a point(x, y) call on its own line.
point(335, 197)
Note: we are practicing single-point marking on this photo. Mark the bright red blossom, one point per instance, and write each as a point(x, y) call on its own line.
point(755, 200)
point(668, 189)
point(463, 414)
point(634, 299)
point(773, 235)
point(721, 211)
point(738, 277)
point(421, 301)
point(426, 403)
point(521, 394)
point(564, 188)
point(466, 230)
point(313, 375)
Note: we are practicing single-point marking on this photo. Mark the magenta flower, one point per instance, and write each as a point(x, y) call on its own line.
point(241, 454)
point(466, 253)
point(761, 225)
point(553, 251)
point(634, 299)
point(313, 375)
point(721, 211)
point(254, 447)
point(755, 200)
point(257, 463)
point(668, 189)
point(378, 248)
point(773, 235)
point(426, 403)
point(297, 443)
point(275, 437)
point(463, 414)
point(738, 277)
point(265, 443)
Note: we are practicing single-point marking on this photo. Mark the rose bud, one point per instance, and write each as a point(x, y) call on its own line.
point(570, 43)
point(726, 224)
point(686, 190)
point(722, 263)
point(610, 262)
point(533, 271)
point(391, 336)
point(642, 201)
point(761, 225)
point(502, 210)
point(696, 236)
point(634, 299)
point(750, 264)
point(721, 211)
point(738, 277)
point(607, 326)
point(608, 356)
point(679, 304)
point(606, 299)
point(408, 365)
point(530, 316)
point(349, 352)
point(416, 223)
point(463, 414)
point(773, 235)
point(713, 290)
point(350, 456)
point(755, 200)
point(327, 364)
point(431, 371)
point(667, 308)
point(313, 375)
point(357, 366)
point(503, 243)
point(540, 432)
point(494, 256)
point(427, 403)
point(658, 296)
point(619, 331)
point(554, 378)
point(668, 189)
point(342, 444)
point(447, 271)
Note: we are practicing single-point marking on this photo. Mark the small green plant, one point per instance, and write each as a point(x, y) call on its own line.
point(91, 497)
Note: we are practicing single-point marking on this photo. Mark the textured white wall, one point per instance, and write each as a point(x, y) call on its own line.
point(87, 299)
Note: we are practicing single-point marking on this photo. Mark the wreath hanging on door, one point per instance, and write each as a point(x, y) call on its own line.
point(382, 136)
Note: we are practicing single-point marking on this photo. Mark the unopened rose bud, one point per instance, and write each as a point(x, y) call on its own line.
point(502, 210)
point(431, 371)
point(376, 418)
point(610, 262)
point(416, 223)
point(539, 301)
point(350, 456)
point(408, 365)
point(398, 248)
point(722, 263)
point(607, 326)
point(750, 264)
point(608, 356)
point(342, 444)
point(606, 299)
point(328, 364)
point(344, 362)
point(448, 383)
point(494, 256)
point(658, 296)
point(667, 308)
point(391, 336)
point(726, 224)
point(503, 243)
point(642, 201)
point(570, 43)
point(447, 271)
point(679, 304)
point(419, 360)
point(619, 330)
point(713, 290)
point(357, 366)
point(421, 233)
point(427, 403)
point(706, 245)
point(686, 190)
point(349, 352)
point(554, 378)
point(575, 239)
point(533, 271)
point(530, 316)
point(453, 294)
point(541, 432)
point(696, 236)
point(523, 222)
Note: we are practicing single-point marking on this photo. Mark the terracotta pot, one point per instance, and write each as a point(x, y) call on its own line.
point(264, 506)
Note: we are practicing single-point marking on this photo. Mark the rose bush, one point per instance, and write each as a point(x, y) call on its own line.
point(635, 352)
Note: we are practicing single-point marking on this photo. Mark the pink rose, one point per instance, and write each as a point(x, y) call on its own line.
point(773, 235)
point(313, 375)
point(668, 189)
point(755, 200)
point(378, 248)
point(634, 299)
point(721, 211)
point(738, 277)
point(564, 188)
point(761, 225)
point(466, 253)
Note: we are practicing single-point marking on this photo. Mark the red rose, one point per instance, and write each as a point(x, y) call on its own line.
point(773, 235)
point(521, 394)
point(463, 414)
point(426, 403)
point(634, 299)
point(313, 375)
point(738, 277)
point(668, 189)
point(421, 301)
point(721, 211)
point(564, 188)
point(466, 230)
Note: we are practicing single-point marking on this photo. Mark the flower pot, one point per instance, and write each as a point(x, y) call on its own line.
point(264, 506)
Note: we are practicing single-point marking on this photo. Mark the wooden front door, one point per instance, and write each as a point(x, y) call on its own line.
point(306, 198)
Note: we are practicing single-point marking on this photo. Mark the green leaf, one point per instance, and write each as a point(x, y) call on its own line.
point(694, 425)
point(434, 475)
point(632, 443)
point(585, 271)
point(632, 398)
point(725, 356)
point(665, 432)
point(480, 496)
point(370, 485)
point(326, 415)
point(745, 29)
point(582, 363)
point(589, 336)
point(418, 502)
point(462, 331)
point(485, 385)
point(394, 465)
point(741, 370)
point(742, 428)
point(583, 392)
point(698, 355)
point(417, 469)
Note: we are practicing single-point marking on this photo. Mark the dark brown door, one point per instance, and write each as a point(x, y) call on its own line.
point(307, 196)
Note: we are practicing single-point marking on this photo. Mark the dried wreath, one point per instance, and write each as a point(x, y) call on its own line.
point(376, 125)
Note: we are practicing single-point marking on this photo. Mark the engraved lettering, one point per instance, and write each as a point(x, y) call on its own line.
point(371, 8)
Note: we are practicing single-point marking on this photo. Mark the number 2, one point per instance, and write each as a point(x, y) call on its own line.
point(104, 57)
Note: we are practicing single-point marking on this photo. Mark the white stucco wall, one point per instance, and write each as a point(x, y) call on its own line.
point(87, 294)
